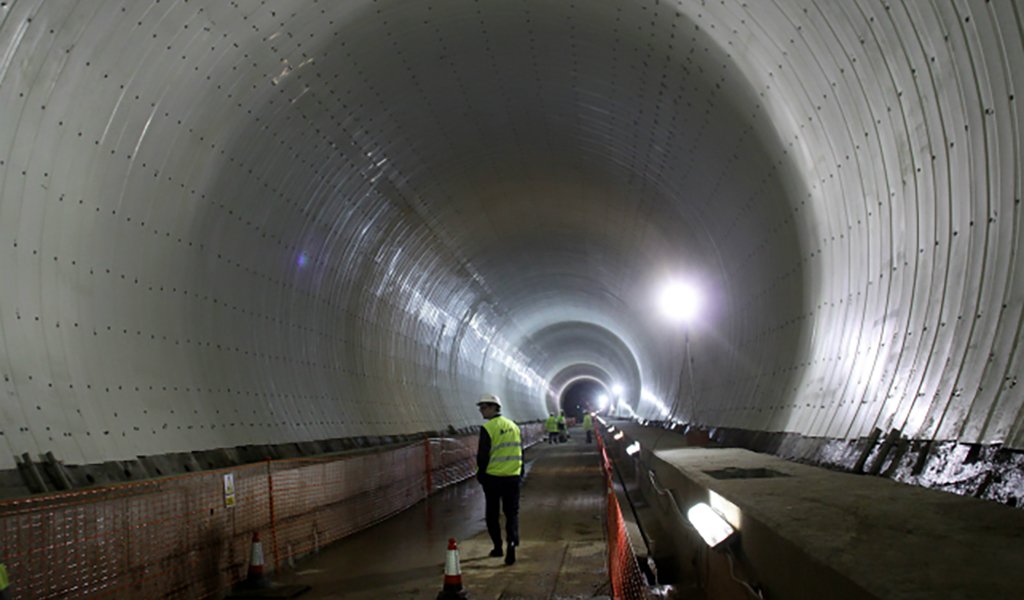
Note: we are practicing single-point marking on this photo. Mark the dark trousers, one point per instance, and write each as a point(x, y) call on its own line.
point(506, 491)
point(552, 437)
point(588, 435)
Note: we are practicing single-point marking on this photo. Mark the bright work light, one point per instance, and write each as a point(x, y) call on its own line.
point(680, 302)
point(709, 524)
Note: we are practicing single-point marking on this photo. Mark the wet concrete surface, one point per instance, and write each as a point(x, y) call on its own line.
point(563, 551)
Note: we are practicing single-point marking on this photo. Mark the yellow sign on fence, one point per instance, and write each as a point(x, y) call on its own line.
point(229, 489)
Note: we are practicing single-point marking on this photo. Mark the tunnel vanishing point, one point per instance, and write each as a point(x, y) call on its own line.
point(237, 224)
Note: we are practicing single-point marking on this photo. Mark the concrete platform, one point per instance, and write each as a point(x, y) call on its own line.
point(808, 532)
point(563, 553)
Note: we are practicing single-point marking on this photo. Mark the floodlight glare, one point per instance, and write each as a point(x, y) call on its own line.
point(602, 401)
point(714, 529)
point(617, 390)
point(680, 302)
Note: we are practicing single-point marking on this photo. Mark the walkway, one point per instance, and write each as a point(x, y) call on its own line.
point(563, 552)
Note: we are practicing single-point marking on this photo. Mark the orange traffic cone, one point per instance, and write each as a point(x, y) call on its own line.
point(452, 589)
point(255, 577)
point(256, 584)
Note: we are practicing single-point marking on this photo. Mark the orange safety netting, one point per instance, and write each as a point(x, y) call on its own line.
point(184, 537)
point(628, 582)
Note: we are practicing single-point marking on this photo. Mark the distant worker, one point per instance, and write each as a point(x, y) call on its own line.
point(499, 461)
point(563, 431)
point(588, 425)
point(551, 426)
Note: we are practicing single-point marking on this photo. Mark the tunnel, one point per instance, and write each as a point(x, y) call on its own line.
point(228, 225)
point(584, 396)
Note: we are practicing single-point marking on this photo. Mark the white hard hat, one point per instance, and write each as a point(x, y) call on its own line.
point(489, 399)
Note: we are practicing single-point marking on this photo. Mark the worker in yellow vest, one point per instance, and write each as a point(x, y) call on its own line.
point(4, 583)
point(499, 460)
point(551, 426)
point(588, 425)
point(563, 430)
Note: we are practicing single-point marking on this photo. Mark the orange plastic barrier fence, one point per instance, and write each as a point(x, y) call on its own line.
point(188, 536)
point(628, 583)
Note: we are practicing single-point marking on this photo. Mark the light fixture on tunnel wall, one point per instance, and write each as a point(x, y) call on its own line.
point(681, 302)
point(633, 448)
point(712, 527)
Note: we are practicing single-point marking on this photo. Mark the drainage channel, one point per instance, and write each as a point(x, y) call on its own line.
point(654, 546)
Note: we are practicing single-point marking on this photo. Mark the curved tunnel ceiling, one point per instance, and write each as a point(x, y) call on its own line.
point(227, 223)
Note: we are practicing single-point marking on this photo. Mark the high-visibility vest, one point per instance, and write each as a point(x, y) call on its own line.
point(506, 458)
point(551, 425)
point(588, 423)
point(561, 421)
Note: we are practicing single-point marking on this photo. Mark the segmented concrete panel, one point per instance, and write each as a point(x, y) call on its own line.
point(227, 223)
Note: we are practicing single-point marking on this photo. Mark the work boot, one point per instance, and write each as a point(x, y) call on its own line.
point(496, 552)
point(510, 554)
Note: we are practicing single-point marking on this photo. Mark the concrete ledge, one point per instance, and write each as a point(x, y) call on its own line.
point(815, 533)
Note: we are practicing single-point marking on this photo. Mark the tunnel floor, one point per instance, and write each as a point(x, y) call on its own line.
point(563, 551)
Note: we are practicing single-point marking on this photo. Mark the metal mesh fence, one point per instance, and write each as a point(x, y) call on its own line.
point(189, 536)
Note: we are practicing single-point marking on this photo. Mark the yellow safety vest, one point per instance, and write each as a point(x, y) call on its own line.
point(588, 423)
point(551, 425)
point(506, 458)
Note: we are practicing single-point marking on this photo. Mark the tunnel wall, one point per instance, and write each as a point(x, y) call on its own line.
point(207, 241)
point(901, 121)
point(170, 285)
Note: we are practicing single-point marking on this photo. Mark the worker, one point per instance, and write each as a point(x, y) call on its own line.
point(499, 461)
point(588, 425)
point(563, 431)
point(5, 583)
point(551, 426)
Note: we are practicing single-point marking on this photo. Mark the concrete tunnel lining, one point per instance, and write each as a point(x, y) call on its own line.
point(602, 357)
point(228, 223)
